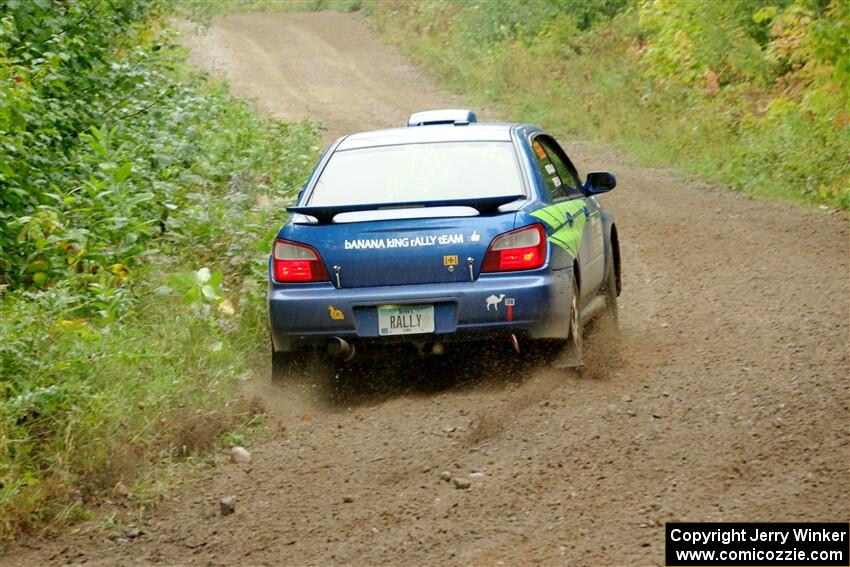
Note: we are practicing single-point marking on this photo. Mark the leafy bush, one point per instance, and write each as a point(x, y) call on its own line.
point(752, 93)
point(137, 206)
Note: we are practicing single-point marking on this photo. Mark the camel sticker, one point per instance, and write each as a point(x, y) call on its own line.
point(494, 301)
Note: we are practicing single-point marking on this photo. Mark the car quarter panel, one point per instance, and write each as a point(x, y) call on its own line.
point(574, 224)
point(562, 222)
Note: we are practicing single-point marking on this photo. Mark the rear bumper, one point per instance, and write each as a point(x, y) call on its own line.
point(305, 314)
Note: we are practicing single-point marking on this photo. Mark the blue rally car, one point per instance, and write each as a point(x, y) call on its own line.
point(446, 230)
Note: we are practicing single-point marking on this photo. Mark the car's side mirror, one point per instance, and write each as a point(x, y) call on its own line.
point(600, 182)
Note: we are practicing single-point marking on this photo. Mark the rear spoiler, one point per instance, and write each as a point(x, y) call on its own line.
point(484, 206)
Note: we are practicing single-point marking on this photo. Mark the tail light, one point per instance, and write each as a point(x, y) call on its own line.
point(295, 262)
point(523, 249)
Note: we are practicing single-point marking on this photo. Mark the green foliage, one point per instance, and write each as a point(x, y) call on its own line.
point(199, 288)
point(751, 93)
point(62, 70)
point(137, 206)
point(689, 39)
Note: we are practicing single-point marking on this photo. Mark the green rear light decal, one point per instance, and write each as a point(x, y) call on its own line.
point(544, 215)
point(566, 235)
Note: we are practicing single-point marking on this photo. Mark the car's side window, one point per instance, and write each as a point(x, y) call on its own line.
point(548, 170)
point(570, 184)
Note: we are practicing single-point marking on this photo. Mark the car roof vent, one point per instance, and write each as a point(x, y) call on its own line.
point(456, 116)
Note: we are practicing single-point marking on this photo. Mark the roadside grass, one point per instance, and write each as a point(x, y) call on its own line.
point(124, 361)
point(120, 398)
point(91, 401)
point(534, 64)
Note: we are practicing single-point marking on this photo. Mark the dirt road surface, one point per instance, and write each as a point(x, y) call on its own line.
point(727, 400)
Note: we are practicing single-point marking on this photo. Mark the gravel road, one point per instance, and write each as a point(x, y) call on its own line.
point(726, 398)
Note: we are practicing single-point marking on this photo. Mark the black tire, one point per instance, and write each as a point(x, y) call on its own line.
point(611, 292)
point(575, 340)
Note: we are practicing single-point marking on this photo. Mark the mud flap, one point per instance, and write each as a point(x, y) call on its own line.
point(571, 355)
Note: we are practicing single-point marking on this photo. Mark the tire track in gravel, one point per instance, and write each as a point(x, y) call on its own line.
point(726, 398)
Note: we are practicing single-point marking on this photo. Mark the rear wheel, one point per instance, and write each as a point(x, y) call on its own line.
point(574, 344)
point(610, 289)
point(569, 351)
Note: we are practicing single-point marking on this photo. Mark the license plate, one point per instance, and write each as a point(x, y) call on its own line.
point(405, 319)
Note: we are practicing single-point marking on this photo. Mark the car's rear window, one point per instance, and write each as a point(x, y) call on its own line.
point(418, 172)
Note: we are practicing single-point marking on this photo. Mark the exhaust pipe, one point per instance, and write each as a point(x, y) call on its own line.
point(341, 348)
point(515, 343)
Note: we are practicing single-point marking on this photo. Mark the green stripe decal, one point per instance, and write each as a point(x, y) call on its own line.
point(558, 242)
point(546, 216)
point(566, 236)
point(571, 237)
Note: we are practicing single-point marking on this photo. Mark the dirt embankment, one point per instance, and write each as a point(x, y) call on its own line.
point(728, 399)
